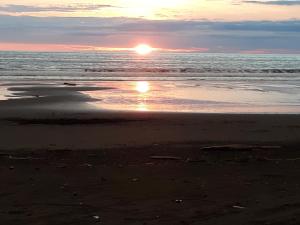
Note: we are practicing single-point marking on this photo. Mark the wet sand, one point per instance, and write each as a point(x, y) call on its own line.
point(65, 162)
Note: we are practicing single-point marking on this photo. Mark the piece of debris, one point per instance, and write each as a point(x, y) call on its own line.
point(20, 158)
point(228, 147)
point(178, 201)
point(166, 157)
point(135, 179)
point(96, 217)
point(11, 167)
point(87, 165)
point(69, 84)
point(278, 159)
point(61, 166)
point(238, 207)
point(195, 160)
point(269, 147)
point(239, 147)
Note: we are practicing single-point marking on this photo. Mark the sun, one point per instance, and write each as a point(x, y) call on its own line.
point(143, 49)
point(142, 86)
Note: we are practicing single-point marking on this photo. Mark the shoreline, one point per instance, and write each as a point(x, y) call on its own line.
point(62, 117)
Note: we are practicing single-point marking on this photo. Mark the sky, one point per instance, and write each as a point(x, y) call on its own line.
point(243, 26)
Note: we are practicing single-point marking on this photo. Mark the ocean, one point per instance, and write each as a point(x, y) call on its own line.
point(156, 66)
point(193, 82)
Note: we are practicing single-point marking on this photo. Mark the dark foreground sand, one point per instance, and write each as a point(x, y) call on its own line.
point(143, 168)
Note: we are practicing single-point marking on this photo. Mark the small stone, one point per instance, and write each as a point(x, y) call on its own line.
point(96, 217)
point(88, 165)
point(178, 201)
point(11, 167)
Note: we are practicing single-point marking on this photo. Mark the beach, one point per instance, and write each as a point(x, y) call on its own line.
point(65, 161)
point(159, 112)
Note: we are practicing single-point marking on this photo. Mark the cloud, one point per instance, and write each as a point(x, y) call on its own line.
point(279, 2)
point(203, 25)
point(31, 9)
point(217, 36)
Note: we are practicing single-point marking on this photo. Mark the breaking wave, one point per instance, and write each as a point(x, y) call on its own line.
point(189, 70)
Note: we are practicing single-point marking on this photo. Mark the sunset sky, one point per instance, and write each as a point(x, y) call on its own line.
point(250, 26)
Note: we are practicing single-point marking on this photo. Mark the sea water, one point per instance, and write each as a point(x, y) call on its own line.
point(193, 82)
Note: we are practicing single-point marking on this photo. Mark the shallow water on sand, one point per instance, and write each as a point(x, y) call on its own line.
point(162, 96)
point(197, 97)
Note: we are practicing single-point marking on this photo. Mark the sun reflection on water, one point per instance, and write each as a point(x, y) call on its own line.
point(143, 89)
point(142, 107)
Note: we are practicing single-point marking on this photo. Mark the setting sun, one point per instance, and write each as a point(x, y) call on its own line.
point(143, 49)
point(142, 86)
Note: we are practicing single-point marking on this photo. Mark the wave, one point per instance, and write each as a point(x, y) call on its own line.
point(189, 70)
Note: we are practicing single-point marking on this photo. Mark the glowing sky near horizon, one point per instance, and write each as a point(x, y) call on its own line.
point(202, 25)
point(227, 10)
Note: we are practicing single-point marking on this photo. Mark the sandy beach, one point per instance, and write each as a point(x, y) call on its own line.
point(65, 162)
point(158, 112)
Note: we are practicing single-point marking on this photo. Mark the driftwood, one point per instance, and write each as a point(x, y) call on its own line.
point(239, 147)
point(166, 157)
